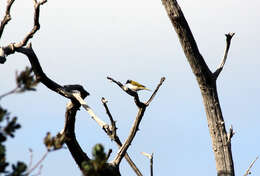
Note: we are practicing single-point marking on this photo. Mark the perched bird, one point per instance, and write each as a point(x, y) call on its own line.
point(135, 86)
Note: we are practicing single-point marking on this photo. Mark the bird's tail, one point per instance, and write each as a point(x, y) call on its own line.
point(147, 89)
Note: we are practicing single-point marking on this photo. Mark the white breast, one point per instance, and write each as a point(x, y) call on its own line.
point(132, 87)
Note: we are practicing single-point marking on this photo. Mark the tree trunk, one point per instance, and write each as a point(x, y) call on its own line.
point(207, 83)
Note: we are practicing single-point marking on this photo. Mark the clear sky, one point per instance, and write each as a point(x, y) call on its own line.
point(82, 42)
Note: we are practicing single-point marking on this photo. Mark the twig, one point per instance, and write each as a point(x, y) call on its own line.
point(150, 156)
point(39, 171)
point(250, 166)
point(31, 158)
point(228, 41)
point(230, 134)
point(134, 129)
point(113, 123)
point(37, 164)
point(9, 93)
point(156, 90)
point(7, 16)
point(109, 153)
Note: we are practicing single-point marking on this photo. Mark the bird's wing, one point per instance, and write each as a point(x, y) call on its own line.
point(137, 84)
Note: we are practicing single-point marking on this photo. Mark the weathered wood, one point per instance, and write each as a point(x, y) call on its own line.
point(207, 83)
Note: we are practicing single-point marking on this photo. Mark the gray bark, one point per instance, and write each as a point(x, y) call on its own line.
point(207, 83)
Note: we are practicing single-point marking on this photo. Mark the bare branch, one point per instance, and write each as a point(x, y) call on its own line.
point(230, 134)
point(37, 164)
point(66, 91)
point(150, 156)
point(7, 16)
point(117, 82)
point(40, 75)
point(111, 132)
point(11, 48)
point(129, 92)
point(9, 93)
point(70, 137)
point(109, 153)
point(250, 166)
point(154, 93)
point(39, 171)
point(186, 38)
point(31, 158)
point(134, 129)
point(36, 26)
point(228, 41)
point(113, 123)
point(130, 138)
point(100, 122)
point(207, 84)
point(131, 163)
point(43, 78)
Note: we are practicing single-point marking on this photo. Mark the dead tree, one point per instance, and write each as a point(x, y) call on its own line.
point(76, 95)
point(221, 140)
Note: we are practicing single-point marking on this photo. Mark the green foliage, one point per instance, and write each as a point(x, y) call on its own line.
point(26, 80)
point(11, 127)
point(98, 166)
point(18, 170)
point(8, 126)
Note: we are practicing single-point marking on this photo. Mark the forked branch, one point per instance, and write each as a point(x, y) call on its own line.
point(109, 129)
point(11, 48)
point(111, 132)
point(36, 25)
point(129, 92)
point(207, 83)
point(135, 127)
point(31, 169)
point(228, 42)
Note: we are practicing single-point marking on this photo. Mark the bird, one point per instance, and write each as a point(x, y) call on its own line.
point(135, 86)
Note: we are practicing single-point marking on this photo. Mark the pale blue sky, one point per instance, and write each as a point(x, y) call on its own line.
point(85, 41)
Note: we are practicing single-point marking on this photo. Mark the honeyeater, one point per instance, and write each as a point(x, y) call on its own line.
point(135, 86)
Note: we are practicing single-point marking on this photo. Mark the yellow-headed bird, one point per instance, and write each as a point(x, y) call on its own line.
point(135, 86)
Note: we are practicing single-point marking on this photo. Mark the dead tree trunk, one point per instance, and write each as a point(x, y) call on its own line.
point(207, 82)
